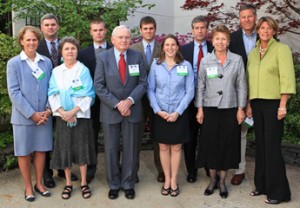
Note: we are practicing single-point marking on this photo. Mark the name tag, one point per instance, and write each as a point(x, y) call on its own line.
point(76, 84)
point(134, 70)
point(182, 70)
point(212, 72)
point(38, 74)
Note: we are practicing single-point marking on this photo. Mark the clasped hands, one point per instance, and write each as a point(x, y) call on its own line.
point(169, 117)
point(124, 107)
point(40, 118)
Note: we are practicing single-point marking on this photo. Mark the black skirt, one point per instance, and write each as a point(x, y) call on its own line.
point(170, 133)
point(220, 139)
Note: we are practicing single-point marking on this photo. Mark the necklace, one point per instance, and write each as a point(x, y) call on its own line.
point(262, 50)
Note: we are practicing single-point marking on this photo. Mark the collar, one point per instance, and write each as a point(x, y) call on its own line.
point(117, 53)
point(253, 34)
point(204, 43)
point(37, 58)
point(145, 44)
point(96, 45)
point(55, 41)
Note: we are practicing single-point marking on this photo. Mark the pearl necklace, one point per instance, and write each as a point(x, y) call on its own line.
point(262, 51)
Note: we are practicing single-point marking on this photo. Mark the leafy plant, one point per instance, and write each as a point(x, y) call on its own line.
point(11, 162)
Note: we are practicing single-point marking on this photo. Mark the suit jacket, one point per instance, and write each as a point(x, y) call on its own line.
point(188, 51)
point(108, 86)
point(156, 52)
point(27, 94)
point(43, 50)
point(88, 58)
point(237, 45)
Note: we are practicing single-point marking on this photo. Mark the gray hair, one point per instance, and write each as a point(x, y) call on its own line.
point(49, 16)
point(68, 39)
point(118, 28)
point(246, 7)
point(200, 18)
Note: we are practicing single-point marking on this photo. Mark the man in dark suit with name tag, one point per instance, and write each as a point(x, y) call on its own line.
point(88, 57)
point(194, 52)
point(49, 48)
point(120, 82)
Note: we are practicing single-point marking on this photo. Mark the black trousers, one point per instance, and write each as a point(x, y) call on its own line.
point(270, 173)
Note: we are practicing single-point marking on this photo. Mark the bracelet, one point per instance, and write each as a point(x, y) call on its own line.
point(282, 109)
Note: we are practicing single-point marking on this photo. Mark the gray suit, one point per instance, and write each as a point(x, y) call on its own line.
point(111, 91)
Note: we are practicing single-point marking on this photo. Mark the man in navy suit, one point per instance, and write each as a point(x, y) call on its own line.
point(88, 57)
point(190, 52)
point(120, 82)
point(50, 27)
point(241, 43)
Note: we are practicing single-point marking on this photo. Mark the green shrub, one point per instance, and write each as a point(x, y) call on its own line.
point(6, 138)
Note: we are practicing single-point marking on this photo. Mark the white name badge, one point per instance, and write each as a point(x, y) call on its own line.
point(212, 72)
point(38, 74)
point(134, 70)
point(182, 70)
point(76, 84)
point(248, 122)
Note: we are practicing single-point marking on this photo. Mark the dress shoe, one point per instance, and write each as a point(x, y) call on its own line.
point(191, 178)
point(61, 174)
point(161, 177)
point(208, 192)
point(224, 193)
point(256, 193)
point(113, 193)
point(129, 193)
point(29, 198)
point(49, 182)
point(237, 179)
point(89, 178)
point(45, 193)
point(275, 201)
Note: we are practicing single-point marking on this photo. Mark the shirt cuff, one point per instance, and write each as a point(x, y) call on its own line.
point(130, 98)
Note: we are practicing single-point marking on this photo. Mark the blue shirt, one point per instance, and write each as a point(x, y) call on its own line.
point(49, 46)
point(249, 41)
point(168, 91)
point(195, 58)
point(145, 46)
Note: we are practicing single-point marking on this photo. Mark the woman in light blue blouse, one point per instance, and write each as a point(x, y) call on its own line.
point(170, 90)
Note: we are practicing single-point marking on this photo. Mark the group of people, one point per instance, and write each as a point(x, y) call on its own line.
point(203, 86)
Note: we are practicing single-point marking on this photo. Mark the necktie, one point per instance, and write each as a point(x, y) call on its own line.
point(122, 68)
point(54, 54)
point(148, 54)
point(200, 56)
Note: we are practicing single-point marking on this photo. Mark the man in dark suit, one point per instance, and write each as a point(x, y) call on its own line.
point(120, 82)
point(48, 47)
point(193, 54)
point(88, 57)
point(242, 41)
point(150, 49)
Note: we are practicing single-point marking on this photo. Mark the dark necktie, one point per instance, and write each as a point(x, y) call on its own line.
point(122, 68)
point(148, 54)
point(54, 54)
point(200, 56)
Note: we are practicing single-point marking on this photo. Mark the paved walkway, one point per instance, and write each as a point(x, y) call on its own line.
point(147, 191)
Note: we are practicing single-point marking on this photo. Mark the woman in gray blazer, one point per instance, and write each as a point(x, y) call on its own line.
point(28, 76)
point(220, 99)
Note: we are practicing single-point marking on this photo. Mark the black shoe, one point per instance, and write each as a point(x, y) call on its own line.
point(113, 193)
point(274, 201)
point(89, 178)
point(224, 193)
point(29, 198)
point(129, 193)
point(208, 192)
point(61, 174)
point(49, 182)
point(45, 193)
point(191, 178)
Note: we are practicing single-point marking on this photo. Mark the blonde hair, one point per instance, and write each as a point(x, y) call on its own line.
point(271, 22)
point(29, 28)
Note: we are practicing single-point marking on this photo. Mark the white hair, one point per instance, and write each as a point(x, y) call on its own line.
point(120, 27)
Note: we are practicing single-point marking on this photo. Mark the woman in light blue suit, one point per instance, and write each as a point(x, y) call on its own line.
point(28, 76)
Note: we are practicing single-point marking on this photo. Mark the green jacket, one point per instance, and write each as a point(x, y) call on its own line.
point(272, 75)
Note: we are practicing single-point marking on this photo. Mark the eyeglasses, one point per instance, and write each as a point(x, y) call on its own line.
point(123, 37)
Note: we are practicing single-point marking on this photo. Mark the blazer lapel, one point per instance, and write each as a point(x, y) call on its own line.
point(113, 64)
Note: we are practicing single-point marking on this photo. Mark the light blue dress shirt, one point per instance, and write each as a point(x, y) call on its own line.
point(195, 58)
point(49, 46)
point(168, 91)
point(249, 41)
point(145, 46)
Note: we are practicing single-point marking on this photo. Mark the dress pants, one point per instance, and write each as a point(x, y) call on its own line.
point(125, 176)
point(270, 173)
point(242, 164)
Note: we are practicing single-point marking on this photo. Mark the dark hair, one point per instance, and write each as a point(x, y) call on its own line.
point(178, 57)
point(97, 21)
point(271, 22)
point(29, 28)
point(49, 16)
point(200, 18)
point(68, 39)
point(246, 7)
point(147, 20)
point(222, 29)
